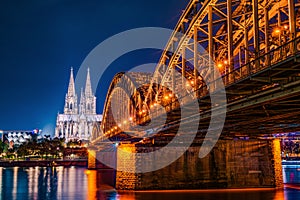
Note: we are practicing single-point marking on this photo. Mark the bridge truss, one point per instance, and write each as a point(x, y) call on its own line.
point(254, 44)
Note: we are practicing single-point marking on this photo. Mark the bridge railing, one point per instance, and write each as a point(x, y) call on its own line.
point(265, 61)
point(274, 56)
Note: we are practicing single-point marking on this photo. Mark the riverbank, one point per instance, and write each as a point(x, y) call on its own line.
point(44, 163)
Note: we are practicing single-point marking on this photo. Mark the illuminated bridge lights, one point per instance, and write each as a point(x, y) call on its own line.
point(253, 47)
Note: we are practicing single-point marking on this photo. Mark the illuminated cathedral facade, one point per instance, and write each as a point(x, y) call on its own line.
point(79, 117)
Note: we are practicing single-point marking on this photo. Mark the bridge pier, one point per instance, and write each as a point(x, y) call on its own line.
point(277, 166)
point(231, 164)
point(92, 161)
point(101, 157)
point(126, 180)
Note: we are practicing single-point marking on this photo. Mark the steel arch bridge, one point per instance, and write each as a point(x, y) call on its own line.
point(254, 44)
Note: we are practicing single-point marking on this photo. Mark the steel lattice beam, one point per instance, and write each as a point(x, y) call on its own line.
point(248, 40)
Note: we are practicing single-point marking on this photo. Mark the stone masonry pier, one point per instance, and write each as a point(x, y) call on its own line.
point(231, 164)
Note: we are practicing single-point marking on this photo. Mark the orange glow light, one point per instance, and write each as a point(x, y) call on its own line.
point(277, 30)
point(87, 172)
point(92, 185)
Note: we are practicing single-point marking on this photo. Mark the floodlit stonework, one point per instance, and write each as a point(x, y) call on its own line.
point(77, 120)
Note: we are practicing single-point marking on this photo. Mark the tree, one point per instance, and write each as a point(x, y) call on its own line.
point(22, 151)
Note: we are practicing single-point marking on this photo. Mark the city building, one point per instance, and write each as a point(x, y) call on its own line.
point(1, 135)
point(78, 118)
point(18, 137)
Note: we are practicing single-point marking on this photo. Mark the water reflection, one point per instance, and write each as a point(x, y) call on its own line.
point(291, 172)
point(43, 183)
point(79, 183)
point(101, 184)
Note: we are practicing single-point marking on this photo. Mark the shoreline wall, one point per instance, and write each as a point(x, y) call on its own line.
point(44, 163)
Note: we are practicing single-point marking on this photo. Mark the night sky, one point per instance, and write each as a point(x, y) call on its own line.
point(41, 40)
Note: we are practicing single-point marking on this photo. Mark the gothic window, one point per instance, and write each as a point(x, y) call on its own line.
point(89, 106)
point(71, 106)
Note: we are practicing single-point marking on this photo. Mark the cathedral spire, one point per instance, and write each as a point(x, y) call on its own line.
point(88, 88)
point(71, 88)
point(81, 95)
point(82, 102)
point(71, 97)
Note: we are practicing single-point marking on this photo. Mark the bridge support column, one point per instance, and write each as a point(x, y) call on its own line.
point(92, 159)
point(277, 163)
point(102, 157)
point(126, 180)
point(231, 164)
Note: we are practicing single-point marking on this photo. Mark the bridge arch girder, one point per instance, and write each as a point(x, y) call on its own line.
point(233, 33)
point(129, 92)
point(239, 37)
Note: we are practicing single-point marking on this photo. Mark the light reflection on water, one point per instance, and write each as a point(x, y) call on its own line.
point(79, 183)
point(291, 172)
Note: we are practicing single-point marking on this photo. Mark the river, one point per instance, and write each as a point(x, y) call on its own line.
point(78, 183)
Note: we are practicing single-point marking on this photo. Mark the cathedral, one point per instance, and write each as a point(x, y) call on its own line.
point(78, 119)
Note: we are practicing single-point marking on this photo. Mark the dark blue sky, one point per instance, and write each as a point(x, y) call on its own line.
point(41, 39)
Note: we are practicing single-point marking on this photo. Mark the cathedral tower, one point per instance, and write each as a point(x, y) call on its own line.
point(71, 97)
point(77, 120)
point(90, 99)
